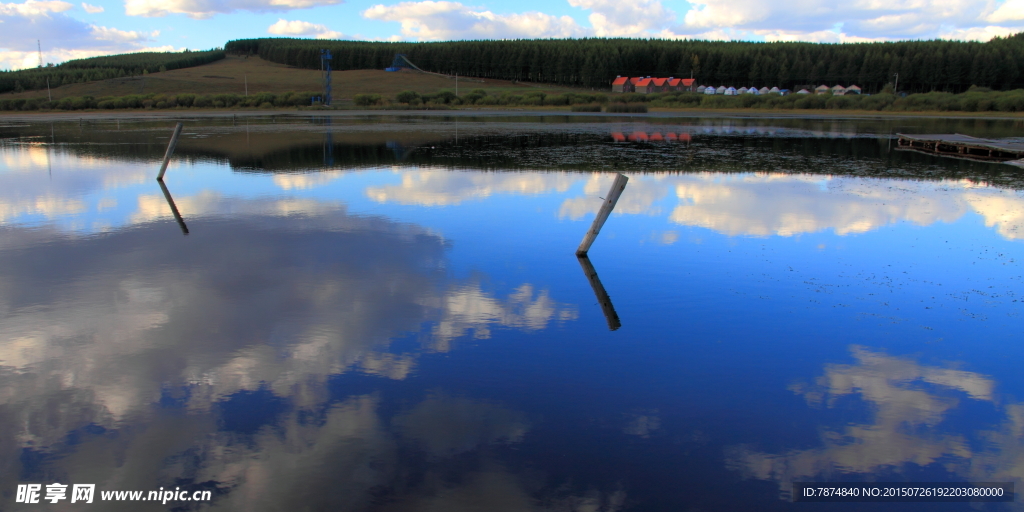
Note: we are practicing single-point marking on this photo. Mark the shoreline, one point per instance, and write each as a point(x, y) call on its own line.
point(484, 112)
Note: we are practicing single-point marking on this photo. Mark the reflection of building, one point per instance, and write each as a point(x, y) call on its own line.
point(639, 136)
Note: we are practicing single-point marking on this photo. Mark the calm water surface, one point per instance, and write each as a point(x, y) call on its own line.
point(386, 314)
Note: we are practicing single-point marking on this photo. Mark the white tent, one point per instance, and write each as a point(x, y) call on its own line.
point(730, 91)
point(774, 89)
point(803, 91)
point(742, 90)
point(709, 90)
point(720, 89)
point(763, 90)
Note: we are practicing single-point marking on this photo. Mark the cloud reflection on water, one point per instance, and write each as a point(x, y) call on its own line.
point(442, 187)
point(755, 204)
point(279, 299)
point(908, 404)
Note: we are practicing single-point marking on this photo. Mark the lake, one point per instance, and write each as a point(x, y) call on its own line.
point(385, 313)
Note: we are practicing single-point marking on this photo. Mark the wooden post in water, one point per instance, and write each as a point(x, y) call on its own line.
point(602, 296)
point(170, 151)
point(174, 209)
point(602, 215)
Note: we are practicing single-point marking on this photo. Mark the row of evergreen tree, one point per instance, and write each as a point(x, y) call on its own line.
point(950, 66)
point(102, 68)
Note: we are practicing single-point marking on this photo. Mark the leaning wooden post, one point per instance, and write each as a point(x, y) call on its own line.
point(174, 208)
point(170, 151)
point(602, 296)
point(602, 215)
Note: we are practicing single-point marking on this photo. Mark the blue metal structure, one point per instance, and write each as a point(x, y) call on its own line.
point(325, 65)
point(402, 62)
point(399, 63)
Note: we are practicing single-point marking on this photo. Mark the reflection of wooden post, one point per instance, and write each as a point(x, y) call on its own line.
point(602, 296)
point(602, 215)
point(170, 151)
point(174, 209)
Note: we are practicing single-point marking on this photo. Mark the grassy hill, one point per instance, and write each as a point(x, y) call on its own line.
point(231, 74)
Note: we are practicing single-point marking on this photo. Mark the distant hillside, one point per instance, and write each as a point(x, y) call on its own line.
point(102, 68)
point(950, 66)
point(239, 75)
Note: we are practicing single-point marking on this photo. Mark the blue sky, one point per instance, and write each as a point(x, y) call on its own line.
point(70, 29)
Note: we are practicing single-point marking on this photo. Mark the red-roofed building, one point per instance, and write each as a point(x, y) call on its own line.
point(622, 84)
point(645, 85)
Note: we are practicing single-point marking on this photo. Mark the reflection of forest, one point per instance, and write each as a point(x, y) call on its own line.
point(909, 404)
point(316, 145)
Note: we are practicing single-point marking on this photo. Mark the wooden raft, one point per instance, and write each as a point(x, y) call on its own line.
point(963, 146)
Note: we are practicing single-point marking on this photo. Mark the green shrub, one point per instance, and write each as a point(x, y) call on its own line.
point(558, 99)
point(186, 100)
point(627, 108)
point(407, 96)
point(586, 108)
point(366, 100)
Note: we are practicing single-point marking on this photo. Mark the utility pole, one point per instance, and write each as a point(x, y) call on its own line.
point(325, 66)
point(896, 87)
point(39, 45)
point(246, 85)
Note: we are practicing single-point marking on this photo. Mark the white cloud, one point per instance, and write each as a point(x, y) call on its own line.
point(855, 21)
point(121, 36)
point(429, 20)
point(92, 9)
point(1011, 10)
point(202, 9)
point(302, 28)
point(612, 18)
point(30, 59)
point(821, 36)
point(34, 8)
point(798, 20)
point(63, 37)
point(26, 22)
point(979, 33)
